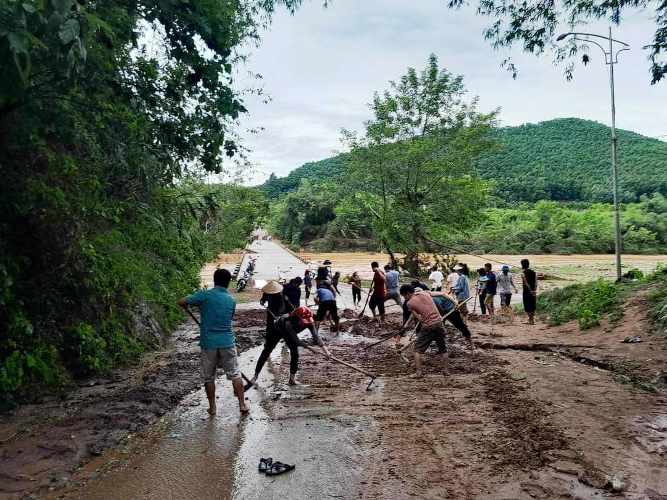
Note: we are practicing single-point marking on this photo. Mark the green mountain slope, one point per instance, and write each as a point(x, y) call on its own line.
point(564, 159)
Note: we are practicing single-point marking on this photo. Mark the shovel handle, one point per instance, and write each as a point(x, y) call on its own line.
point(338, 360)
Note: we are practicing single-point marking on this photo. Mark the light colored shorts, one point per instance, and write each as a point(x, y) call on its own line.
point(225, 358)
point(488, 300)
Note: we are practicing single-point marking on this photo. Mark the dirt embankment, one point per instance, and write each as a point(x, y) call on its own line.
point(43, 443)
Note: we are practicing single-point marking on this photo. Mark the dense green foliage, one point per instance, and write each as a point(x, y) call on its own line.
point(317, 171)
point(560, 160)
point(550, 227)
point(106, 110)
point(565, 160)
point(569, 160)
point(328, 216)
point(417, 155)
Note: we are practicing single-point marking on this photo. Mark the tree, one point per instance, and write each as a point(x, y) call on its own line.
point(534, 24)
point(413, 167)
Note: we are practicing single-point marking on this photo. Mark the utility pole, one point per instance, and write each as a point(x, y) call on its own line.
point(614, 166)
point(611, 59)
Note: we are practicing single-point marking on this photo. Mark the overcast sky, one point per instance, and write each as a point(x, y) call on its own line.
point(321, 67)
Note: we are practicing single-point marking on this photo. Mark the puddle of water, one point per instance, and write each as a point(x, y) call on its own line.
point(195, 458)
point(217, 458)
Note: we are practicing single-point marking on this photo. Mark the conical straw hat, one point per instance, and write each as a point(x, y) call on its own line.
point(272, 287)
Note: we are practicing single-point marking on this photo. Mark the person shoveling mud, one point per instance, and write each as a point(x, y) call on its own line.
point(285, 327)
point(217, 340)
point(421, 306)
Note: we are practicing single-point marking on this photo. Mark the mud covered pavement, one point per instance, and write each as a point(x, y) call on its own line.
point(43, 445)
point(535, 412)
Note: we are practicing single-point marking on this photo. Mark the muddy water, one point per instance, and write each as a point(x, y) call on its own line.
point(202, 457)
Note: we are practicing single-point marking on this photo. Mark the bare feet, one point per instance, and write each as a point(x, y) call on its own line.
point(212, 410)
point(244, 410)
point(293, 381)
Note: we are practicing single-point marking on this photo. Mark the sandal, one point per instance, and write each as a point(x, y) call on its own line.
point(279, 468)
point(265, 465)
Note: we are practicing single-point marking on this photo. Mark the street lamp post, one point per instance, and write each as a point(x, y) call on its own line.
point(611, 58)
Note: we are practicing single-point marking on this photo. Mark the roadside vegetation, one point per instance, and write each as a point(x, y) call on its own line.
point(110, 112)
point(588, 303)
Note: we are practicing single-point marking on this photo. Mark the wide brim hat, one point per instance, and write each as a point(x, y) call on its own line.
point(272, 287)
point(327, 262)
point(458, 267)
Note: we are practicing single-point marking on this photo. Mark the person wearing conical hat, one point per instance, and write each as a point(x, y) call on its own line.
point(276, 305)
point(285, 327)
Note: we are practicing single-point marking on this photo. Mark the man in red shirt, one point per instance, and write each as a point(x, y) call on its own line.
point(422, 307)
point(379, 291)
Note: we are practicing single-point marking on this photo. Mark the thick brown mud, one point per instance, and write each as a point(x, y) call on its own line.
point(44, 444)
point(521, 419)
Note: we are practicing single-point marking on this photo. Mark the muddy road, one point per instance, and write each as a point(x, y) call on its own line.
point(535, 412)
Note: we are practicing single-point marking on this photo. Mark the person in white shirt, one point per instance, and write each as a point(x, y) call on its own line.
point(505, 288)
point(436, 278)
point(452, 278)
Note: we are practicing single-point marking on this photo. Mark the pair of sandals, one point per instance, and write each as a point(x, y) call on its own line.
point(270, 468)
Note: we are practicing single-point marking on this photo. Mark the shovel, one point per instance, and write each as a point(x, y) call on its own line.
point(349, 365)
point(337, 360)
point(391, 335)
point(368, 297)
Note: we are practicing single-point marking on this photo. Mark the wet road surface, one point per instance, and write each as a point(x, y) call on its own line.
point(206, 458)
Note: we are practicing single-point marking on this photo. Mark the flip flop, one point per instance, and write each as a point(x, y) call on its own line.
point(278, 468)
point(265, 465)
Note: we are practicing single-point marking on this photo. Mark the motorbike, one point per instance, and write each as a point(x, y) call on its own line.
point(242, 282)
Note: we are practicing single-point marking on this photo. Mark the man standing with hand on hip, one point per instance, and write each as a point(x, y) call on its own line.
point(217, 340)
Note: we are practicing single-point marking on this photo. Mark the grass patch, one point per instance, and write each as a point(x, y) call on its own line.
point(587, 303)
point(658, 299)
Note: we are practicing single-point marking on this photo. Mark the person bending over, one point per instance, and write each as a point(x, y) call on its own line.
point(325, 298)
point(447, 307)
point(217, 340)
point(422, 307)
point(287, 327)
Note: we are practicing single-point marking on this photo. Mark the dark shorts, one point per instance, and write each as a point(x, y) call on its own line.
point(377, 301)
point(327, 306)
point(529, 302)
point(425, 336)
point(505, 299)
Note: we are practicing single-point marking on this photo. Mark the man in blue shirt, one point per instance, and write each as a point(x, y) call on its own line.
point(392, 278)
point(217, 340)
point(462, 290)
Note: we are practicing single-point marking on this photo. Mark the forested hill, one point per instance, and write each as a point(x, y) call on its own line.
point(564, 159)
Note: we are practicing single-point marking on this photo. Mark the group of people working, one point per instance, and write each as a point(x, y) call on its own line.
point(425, 309)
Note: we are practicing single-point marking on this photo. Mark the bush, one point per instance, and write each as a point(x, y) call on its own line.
point(586, 303)
point(658, 300)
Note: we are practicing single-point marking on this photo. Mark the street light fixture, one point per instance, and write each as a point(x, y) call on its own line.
point(610, 58)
